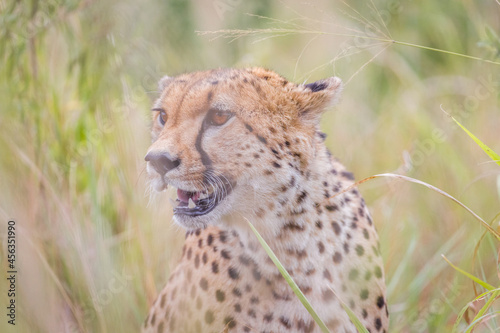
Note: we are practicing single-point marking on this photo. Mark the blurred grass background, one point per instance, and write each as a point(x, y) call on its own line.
point(77, 79)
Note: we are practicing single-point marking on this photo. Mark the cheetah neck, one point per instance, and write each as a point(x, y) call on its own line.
point(293, 223)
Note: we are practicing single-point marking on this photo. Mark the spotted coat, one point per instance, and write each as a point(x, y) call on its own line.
point(254, 137)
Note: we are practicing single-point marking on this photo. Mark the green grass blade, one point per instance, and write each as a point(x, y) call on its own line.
point(477, 321)
point(290, 281)
point(494, 156)
point(495, 292)
point(416, 181)
point(459, 317)
point(470, 276)
point(446, 52)
point(235, 34)
point(352, 316)
point(481, 313)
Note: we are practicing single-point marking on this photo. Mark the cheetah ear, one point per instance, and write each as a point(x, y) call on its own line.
point(164, 82)
point(313, 98)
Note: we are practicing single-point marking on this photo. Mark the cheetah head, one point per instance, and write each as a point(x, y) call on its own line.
point(224, 138)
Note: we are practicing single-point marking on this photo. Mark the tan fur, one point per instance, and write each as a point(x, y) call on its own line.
point(284, 182)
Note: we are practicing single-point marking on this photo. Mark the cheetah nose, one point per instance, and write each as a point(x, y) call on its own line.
point(162, 162)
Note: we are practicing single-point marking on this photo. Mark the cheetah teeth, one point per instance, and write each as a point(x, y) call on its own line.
point(191, 204)
point(195, 200)
point(176, 203)
point(206, 194)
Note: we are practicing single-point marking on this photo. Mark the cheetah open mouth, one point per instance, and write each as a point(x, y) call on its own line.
point(202, 202)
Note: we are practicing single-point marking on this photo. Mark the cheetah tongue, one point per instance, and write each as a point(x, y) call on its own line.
point(184, 196)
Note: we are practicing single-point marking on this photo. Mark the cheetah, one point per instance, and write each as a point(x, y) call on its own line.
point(244, 145)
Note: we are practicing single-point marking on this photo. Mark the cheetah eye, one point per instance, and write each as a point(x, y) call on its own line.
point(218, 117)
point(162, 117)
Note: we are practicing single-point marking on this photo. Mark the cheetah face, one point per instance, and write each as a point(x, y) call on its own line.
point(195, 158)
point(214, 137)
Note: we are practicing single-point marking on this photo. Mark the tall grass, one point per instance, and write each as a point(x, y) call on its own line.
point(76, 82)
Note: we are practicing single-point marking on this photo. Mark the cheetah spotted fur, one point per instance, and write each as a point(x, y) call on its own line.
point(244, 145)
